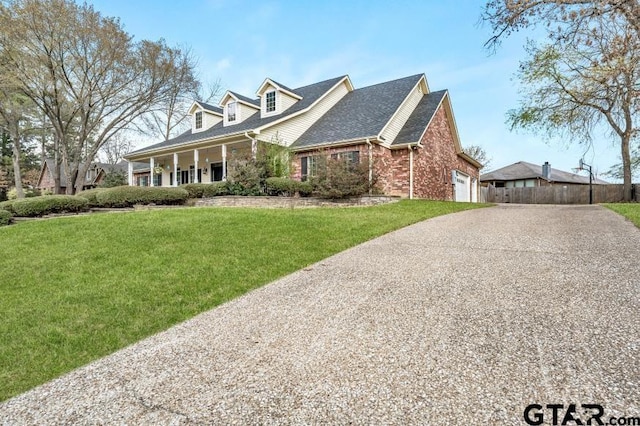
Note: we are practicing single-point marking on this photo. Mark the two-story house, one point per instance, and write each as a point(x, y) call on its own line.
point(404, 132)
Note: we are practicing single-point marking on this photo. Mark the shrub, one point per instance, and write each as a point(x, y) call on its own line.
point(48, 204)
point(7, 206)
point(91, 195)
point(304, 189)
point(127, 196)
point(216, 189)
point(245, 177)
point(195, 190)
point(338, 178)
point(28, 193)
point(5, 217)
point(280, 186)
point(114, 178)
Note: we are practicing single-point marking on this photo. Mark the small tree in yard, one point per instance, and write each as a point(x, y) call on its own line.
point(113, 177)
point(336, 177)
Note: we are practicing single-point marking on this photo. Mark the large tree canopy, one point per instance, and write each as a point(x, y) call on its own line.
point(586, 78)
point(84, 72)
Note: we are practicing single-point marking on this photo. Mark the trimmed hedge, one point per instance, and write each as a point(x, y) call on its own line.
point(48, 204)
point(91, 195)
point(128, 196)
point(305, 189)
point(281, 186)
point(7, 206)
point(216, 189)
point(5, 217)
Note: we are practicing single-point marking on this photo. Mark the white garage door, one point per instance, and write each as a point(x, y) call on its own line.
point(463, 190)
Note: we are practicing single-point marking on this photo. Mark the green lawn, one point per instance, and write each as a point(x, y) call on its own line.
point(78, 288)
point(630, 211)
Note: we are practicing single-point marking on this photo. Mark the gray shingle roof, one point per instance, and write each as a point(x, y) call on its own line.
point(211, 107)
point(524, 170)
point(420, 118)
point(282, 86)
point(255, 102)
point(359, 114)
point(309, 94)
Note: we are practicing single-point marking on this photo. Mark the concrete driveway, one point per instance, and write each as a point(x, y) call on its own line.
point(462, 319)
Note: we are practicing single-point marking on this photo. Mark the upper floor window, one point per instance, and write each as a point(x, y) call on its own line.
point(231, 111)
point(199, 120)
point(271, 101)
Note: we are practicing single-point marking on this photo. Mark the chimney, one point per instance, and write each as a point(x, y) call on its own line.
point(546, 170)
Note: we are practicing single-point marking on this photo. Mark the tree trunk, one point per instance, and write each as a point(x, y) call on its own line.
point(56, 166)
point(16, 169)
point(626, 167)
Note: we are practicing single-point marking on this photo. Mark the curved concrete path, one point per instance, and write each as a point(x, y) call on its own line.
point(462, 319)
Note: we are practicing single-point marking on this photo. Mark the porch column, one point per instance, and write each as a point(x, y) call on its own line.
point(175, 169)
point(130, 172)
point(152, 165)
point(254, 148)
point(224, 162)
point(196, 157)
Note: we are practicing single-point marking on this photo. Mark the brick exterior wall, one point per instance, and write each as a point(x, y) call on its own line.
point(432, 164)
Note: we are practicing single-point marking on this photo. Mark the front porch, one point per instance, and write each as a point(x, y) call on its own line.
point(205, 164)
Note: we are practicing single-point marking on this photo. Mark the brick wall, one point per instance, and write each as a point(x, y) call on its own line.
point(432, 164)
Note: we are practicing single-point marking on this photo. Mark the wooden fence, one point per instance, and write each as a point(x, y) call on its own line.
point(559, 194)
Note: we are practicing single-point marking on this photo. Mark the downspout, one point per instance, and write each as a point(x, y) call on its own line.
point(254, 147)
point(370, 166)
point(410, 172)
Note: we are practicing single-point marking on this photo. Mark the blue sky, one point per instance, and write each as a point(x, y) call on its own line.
point(241, 42)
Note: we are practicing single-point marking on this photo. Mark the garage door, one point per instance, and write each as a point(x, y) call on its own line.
point(463, 191)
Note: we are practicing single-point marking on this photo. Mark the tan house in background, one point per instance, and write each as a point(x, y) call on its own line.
point(403, 131)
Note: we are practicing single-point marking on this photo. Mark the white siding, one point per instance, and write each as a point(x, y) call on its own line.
point(242, 113)
point(286, 101)
point(210, 120)
point(290, 130)
point(402, 115)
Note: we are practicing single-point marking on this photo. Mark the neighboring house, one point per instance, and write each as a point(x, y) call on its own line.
point(404, 132)
point(94, 176)
point(523, 174)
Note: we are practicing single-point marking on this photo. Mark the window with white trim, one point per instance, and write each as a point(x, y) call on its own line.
point(270, 101)
point(199, 120)
point(231, 111)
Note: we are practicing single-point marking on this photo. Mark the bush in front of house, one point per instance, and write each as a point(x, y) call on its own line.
point(245, 176)
point(195, 190)
point(304, 189)
point(280, 186)
point(128, 196)
point(5, 218)
point(49, 204)
point(91, 195)
point(28, 193)
point(216, 189)
point(338, 178)
point(7, 206)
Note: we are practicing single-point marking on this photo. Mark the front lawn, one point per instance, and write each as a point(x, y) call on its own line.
point(75, 289)
point(629, 210)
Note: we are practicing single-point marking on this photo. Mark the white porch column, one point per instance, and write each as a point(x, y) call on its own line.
point(254, 148)
point(224, 162)
point(152, 165)
point(130, 172)
point(175, 169)
point(196, 157)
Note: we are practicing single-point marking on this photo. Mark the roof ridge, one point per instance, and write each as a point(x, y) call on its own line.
point(391, 81)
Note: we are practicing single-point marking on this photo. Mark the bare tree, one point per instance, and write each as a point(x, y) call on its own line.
point(478, 153)
point(580, 86)
point(562, 18)
point(170, 117)
point(115, 149)
point(84, 72)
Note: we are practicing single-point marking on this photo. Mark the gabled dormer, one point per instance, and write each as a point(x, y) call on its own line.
point(275, 98)
point(204, 116)
point(237, 108)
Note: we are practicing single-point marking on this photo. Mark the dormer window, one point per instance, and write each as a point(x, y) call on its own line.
point(271, 101)
point(199, 120)
point(231, 111)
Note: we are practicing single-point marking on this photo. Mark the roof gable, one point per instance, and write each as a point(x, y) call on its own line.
point(205, 107)
point(360, 114)
point(280, 87)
